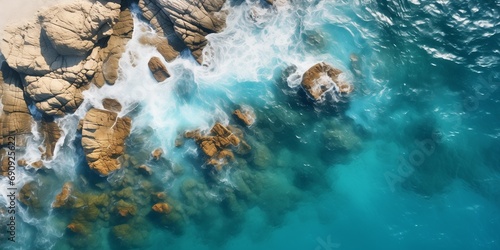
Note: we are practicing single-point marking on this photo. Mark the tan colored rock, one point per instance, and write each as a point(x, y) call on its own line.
point(322, 78)
point(15, 119)
point(54, 96)
point(162, 208)
point(51, 134)
point(111, 105)
point(63, 198)
point(145, 170)
point(73, 28)
point(158, 69)
point(157, 153)
point(217, 145)
point(111, 53)
point(191, 20)
point(245, 115)
point(168, 52)
point(103, 139)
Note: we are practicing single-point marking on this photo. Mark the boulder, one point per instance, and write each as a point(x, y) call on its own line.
point(53, 96)
point(103, 139)
point(73, 28)
point(57, 53)
point(322, 78)
point(168, 52)
point(111, 105)
point(63, 199)
point(217, 145)
point(162, 208)
point(191, 20)
point(145, 170)
point(157, 153)
point(111, 53)
point(51, 134)
point(15, 118)
point(246, 115)
point(158, 69)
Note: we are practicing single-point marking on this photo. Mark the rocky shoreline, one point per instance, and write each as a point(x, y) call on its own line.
point(51, 60)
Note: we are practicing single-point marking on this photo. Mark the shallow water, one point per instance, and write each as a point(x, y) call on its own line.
point(409, 161)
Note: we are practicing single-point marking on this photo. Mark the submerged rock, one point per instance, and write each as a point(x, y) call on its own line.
point(162, 208)
point(217, 145)
point(322, 78)
point(103, 139)
point(63, 198)
point(160, 72)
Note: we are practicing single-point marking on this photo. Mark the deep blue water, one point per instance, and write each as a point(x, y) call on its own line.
point(410, 160)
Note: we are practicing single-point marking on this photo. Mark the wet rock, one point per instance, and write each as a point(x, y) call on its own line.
point(51, 134)
point(159, 196)
point(37, 164)
point(28, 195)
point(125, 209)
point(245, 115)
point(145, 170)
point(162, 208)
point(216, 145)
point(158, 69)
point(157, 153)
point(322, 78)
point(15, 120)
point(103, 139)
point(63, 199)
point(167, 51)
point(78, 228)
point(111, 105)
point(110, 55)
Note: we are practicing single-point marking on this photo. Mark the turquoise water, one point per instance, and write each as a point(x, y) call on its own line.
point(410, 160)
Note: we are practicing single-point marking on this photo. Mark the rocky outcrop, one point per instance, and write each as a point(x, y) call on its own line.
point(109, 56)
point(15, 119)
point(217, 145)
point(191, 20)
point(111, 105)
point(160, 72)
point(162, 208)
point(168, 52)
point(246, 115)
point(157, 153)
point(322, 78)
point(51, 134)
point(57, 53)
point(75, 27)
point(103, 139)
point(63, 199)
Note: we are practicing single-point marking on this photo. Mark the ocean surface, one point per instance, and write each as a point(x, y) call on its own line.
point(409, 160)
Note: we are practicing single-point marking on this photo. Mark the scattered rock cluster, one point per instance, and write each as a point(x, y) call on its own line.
point(218, 145)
